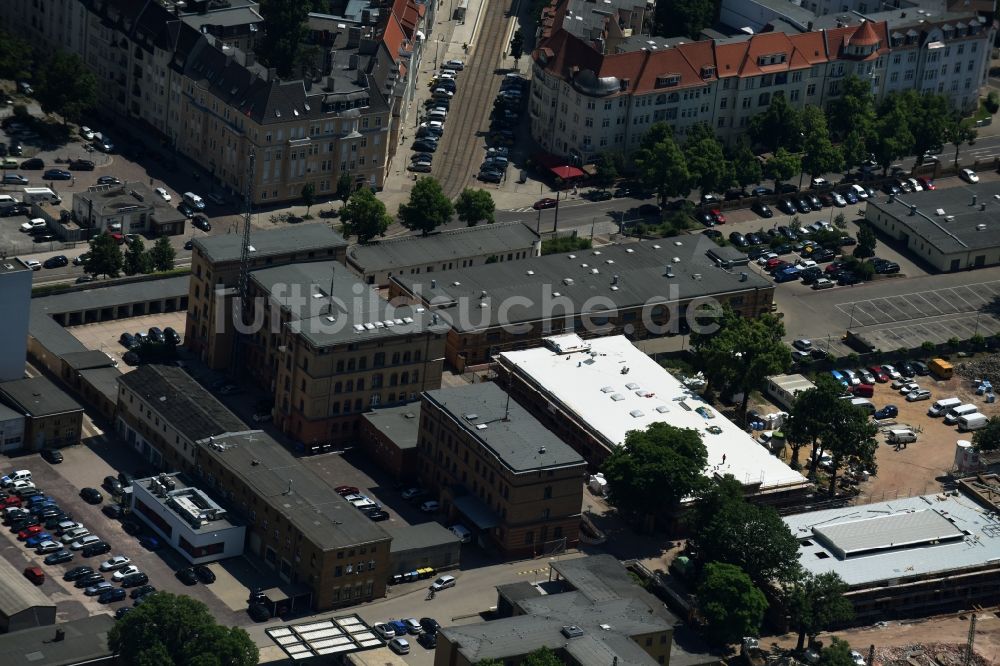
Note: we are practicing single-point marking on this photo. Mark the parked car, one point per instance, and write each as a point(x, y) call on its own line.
point(52, 456)
point(918, 394)
point(88, 580)
point(116, 562)
point(399, 645)
point(542, 204)
point(204, 574)
point(887, 412)
point(163, 194)
point(77, 572)
point(35, 575)
point(98, 589)
point(968, 175)
point(58, 557)
point(443, 583)
point(92, 495)
point(112, 595)
point(187, 576)
point(57, 174)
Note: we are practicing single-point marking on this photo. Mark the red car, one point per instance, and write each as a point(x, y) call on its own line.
point(10, 501)
point(880, 376)
point(774, 262)
point(717, 216)
point(926, 183)
point(544, 203)
point(29, 532)
point(346, 490)
point(35, 575)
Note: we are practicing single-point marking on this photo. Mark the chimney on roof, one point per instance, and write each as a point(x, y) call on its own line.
point(60, 635)
point(352, 62)
point(353, 36)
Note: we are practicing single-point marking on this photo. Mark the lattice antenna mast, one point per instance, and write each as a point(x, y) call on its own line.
point(243, 286)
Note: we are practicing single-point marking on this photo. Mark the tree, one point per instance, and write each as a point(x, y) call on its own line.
point(345, 185)
point(866, 242)
point(607, 171)
point(820, 155)
point(162, 255)
point(930, 116)
point(706, 161)
point(778, 127)
point(808, 416)
point(988, 438)
point(543, 656)
point(105, 256)
point(136, 259)
point(428, 207)
point(817, 602)
point(661, 462)
point(176, 629)
point(891, 138)
point(684, 18)
point(15, 57)
point(849, 439)
point(726, 528)
point(783, 165)
point(364, 216)
point(473, 206)
point(730, 603)
point(660, 164)
point(854, 149)
point(746, 166)
point(308, 196)
point(837, 653)
point(853, 110)
point(743, 352)
point(285, 32)
point(517, 46)
point(958, 132)
point(66, 86)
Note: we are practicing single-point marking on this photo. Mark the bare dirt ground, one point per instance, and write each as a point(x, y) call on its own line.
point(944, 636)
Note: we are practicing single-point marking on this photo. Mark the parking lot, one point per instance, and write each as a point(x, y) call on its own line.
point(104, 336)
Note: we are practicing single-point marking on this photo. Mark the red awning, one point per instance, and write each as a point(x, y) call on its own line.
point(567, 172)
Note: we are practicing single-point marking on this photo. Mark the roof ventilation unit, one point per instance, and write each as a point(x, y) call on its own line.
point(980, 227)
point(572, 631)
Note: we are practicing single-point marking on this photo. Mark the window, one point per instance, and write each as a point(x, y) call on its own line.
point(811, 89)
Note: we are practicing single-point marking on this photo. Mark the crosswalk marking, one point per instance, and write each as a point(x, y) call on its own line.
point(520, 210)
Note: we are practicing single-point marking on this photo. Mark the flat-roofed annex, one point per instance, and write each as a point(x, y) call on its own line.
point(881, 533)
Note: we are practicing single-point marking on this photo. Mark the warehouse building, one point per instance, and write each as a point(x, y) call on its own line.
point(22, 604)
point(951, 229)
point(591, 393)
point(82, 642)
point(909, 557)
point(378, 261)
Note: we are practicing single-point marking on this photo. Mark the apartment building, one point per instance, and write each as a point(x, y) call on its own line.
point(331, 348)
point(329, 553)
point(643, 290)
point(498, 471)
point(599, 86)
point(215, 269)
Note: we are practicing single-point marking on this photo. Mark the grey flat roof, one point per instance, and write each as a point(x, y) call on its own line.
point(295, 238)
point(421, 535)
point(231, 16)
point(8, 414)
point(88, 360)
point(13, 265)
point(303, 290)
point(84, 640)
point(894, 541)
point(961, 232)
point(17, 593)
point(293, 490)
point(400, 424)
point(104, 380)
point(38, 396)
point(525, 291)
point(181, 401)
point(503, 427)
point(456, 244)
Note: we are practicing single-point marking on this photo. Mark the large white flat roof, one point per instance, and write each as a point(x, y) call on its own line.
point(591, 385)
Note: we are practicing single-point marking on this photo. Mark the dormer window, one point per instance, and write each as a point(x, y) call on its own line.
point(668, 80)
point(707, 71)
point(771, 59)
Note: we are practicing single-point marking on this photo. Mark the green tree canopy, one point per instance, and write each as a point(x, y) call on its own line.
point(706, 162)
point(930, 116)
point(345, 186)
point(891, 137)
point(783, 165)
point(867, 240)
point(684, 18)
point(988, 438)
point(726, 528)
point(308, 196)
point(815, 603)
point(731, 605)
point(66, 86)
point(660, 164)
point(780, 126)
point(837, 653)
point(743, 353)
point(854, 149)
point(820, 155)
point(809, 414)
point(607, 170)
point(746, 166)
point(161, 257)
point(959, 132)
point(428, 207)
point(15, 56)
point(105, 256)
point(853, 110)
point(655, 469)
point(517, 46)
point(474, 205)
point(136, 259)
point(169, 629)
point(542, 657)
point(849, 439)
point(284, 35)
point(364, 216)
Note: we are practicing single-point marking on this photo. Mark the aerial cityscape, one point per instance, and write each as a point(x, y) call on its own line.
point(482, 333)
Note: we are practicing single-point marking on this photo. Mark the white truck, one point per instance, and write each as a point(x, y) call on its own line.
point(40, 195)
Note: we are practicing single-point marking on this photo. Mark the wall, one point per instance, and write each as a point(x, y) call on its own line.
point(11, 434)
point(52, 432)
point(15, 294)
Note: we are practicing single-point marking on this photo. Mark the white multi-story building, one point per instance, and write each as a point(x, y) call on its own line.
point(599, 86)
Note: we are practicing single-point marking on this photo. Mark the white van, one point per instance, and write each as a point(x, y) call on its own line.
point(953, 414)
point(20, 475)
point(193, 200)
point(40, 195)
point(940, 407)
point(974, 421)
point(865, 404)
point(462, 533)
point(902, 436)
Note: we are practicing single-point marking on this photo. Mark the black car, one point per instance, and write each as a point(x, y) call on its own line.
point(128, 340)
point(122, 612)
point(906, 369)
point(920, 368)
point(92, 495)
point(58, 557)
point(187, 576)
point(81, 165)
point(156, 334)
point(135, 580)
point(57, 261)
point(125, 478)
point(34, 164)
point(52, 456)
point(754, 238)
point(142, 591)
point(705, 218)
point(429, 625)
point(814, 201)
point(89, 579)
point(423, 145)
point(738, 239)
point(712, 233)
point(77, 572)
point(378, 516)
point(131, 527)
point(113, 485)
point(890, 187)
point(786, 206)
point(490, 176)
point(52, 522)
point(810, 275)
point(259, 613)
point(170, 336)
point(204, 574)
point(23, 523)
point(847, 278)
point(428, 641)
point(185, 210)
point(111, 596)
point(762, 209)
point(201, 222)
point(108, 180)
point(98, 548)
point(802, 205)
point(112, 511)
point(57, 174)
point(599, 195)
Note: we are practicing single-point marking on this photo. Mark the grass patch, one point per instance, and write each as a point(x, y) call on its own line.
point(565, 244)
